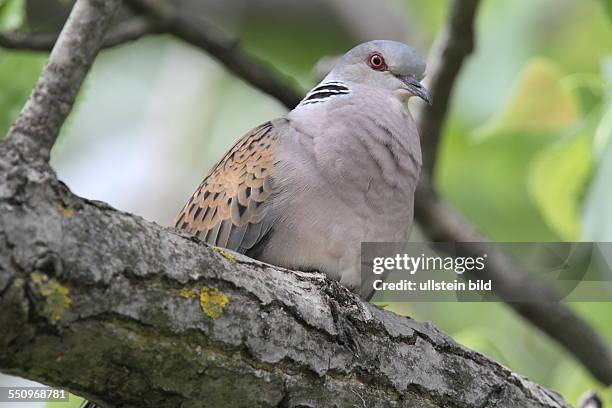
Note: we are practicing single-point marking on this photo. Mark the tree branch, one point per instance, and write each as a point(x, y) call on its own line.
point(40, 120)
point(128, 313)
point(122, 33)
point(452, 46)
point(441, 223)
point(201, 34)
point(437, 220)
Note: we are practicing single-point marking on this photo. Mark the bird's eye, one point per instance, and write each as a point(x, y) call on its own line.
point(377, 62)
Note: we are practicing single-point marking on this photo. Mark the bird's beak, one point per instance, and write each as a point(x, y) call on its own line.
point(414, 86)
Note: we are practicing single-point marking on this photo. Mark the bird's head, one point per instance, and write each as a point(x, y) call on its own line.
point(384, 64)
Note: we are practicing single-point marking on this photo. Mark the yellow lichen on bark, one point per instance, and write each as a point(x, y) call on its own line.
point(57, 297)
point(68, 213)
point(188, 293)
point(225, 254)
point(212, 302)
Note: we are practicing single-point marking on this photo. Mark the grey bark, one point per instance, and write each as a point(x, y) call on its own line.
point(100, 302)
point(124, 32)
point(453, 45)
point(51, 101)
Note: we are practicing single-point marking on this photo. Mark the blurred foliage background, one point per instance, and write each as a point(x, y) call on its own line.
point(526, 154)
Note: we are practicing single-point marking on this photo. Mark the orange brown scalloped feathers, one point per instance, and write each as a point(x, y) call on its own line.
point(227, 209)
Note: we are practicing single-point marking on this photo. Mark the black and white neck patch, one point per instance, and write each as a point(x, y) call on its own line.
point(324, 92)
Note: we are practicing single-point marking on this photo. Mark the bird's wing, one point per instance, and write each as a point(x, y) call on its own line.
point(228, 209)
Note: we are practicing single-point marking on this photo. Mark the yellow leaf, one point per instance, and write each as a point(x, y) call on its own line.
point(540, 102)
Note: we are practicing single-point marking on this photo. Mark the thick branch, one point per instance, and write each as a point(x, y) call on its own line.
point(452, 46)
point(207, 37)
point(124, 32)
point(434, 216)
point(40, 120)
point(128, 313)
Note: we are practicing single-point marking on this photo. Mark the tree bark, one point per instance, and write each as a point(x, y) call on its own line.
point(45, 111)
point(124, 32)
point(129, 313)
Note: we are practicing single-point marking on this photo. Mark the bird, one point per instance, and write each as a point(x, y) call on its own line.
point(303, 191)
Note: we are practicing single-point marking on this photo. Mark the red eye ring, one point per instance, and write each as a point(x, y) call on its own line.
point(377, 62)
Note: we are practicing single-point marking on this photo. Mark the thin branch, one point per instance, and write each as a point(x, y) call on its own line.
point(441, 223)
point(434, 216)
point(38, 125)
point(450, 49)
point(124, 32)
point(132, 30)
point(207, 37)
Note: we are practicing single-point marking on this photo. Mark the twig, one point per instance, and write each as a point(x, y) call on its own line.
point(436, 219)
point(452, 45)
point(207, 37)
point(124, 32)
point(37, 126)
point(590, 399)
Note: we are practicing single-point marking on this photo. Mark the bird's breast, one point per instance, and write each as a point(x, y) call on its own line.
point(342, 182)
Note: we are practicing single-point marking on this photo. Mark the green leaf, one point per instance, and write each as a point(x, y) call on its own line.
point(539, 103)
point(489, 174)
point(556, 182)
point(597, 215)
point(589, 89)
point(12, 14)
point(607, 5)
point(18, 74)
point(603, 133)
point(486, 181)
